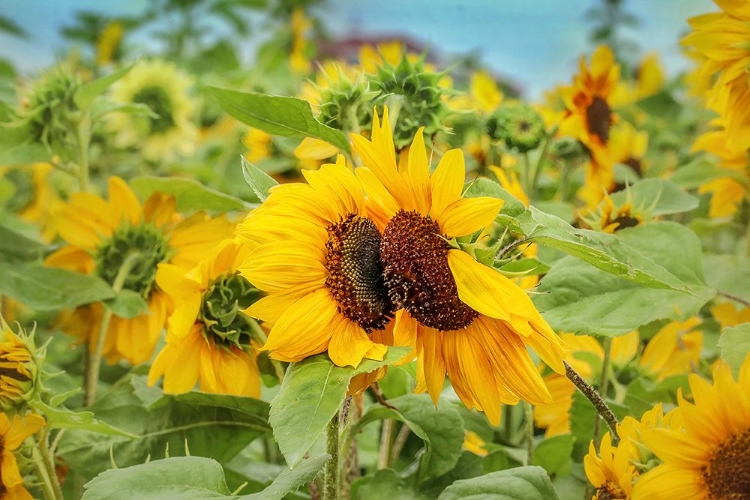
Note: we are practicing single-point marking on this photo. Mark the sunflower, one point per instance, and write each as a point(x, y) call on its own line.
point(209, 338)
point(675, 349)
point(35, 198)
point(588, 104)
point(649, 79)
point(626, 146)
point(721, 40)
point(707, 457)
point(18, 369)
point(728, 315)
point(610, 218)
point(107, 237)
point(315, 255)
point(299, 25)
point(610, 472)
point(474, 444)
point(465, 319)
point(108, 45)
point(484, 95)
point(166, 91)
point(13, 432)
point(727, 192)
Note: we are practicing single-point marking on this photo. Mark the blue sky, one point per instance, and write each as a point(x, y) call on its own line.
point(536, 43)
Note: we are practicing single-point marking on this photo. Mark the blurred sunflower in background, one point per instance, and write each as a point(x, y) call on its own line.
point(13, 432)
point(34, 197)
point(209, 338)
point(674, 350)
point(122, 241)
point(169, 130)
point(465, 319)
point(707, 456)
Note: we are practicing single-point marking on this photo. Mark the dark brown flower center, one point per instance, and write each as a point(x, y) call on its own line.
point(599, 118)
point(610, 491)
point(417, 275)
point(727, 475)
point(626, 221)
point(355, 274)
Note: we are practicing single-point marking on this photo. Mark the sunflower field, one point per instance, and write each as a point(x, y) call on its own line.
point(243, 258)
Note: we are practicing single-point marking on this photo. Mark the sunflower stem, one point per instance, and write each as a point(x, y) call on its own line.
point(529, 411)
point(507, 423)
point(83, 137)
point(386, 438)
point(526, 172)
point(734, 298)
point(540, 164)
point(92, 371)
point(565, 180)
point(603, 380)
point(42, 475)
point(331, 473)
point(49, 463)
point(596, 400)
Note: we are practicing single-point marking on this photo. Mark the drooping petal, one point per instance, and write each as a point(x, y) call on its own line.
point(468, 215)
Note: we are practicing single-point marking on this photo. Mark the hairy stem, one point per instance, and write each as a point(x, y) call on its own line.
point(596, 400)
point(603, 380)
point(734, 298)
point(386, 438)
point(331, 473)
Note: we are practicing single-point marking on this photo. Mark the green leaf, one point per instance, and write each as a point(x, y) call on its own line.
point(604, 251)
point(484, 187)
point(16, 144)
point(86, 94)
point(184, 478)
point(521, 483)
point(576, 297)
point(553, 454)
point(387, 484)
point(468, 466)
point(315, 388)
point(18, 246)
point(658, 196)
point(189, 193)
point(728, 273)
point(259, 181)
point(701, 171)
point(277, 115)
point(127, 304)
point(735, 346)
point(62, 418)
point(211, 425)
point(440, 428)
point(290, 480)
point(44, 288)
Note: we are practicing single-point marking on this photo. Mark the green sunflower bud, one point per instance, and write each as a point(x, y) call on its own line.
point(52, 114)
point(20, 369)
point(566, 148)
point(221, 308)
point(518, 124)
point(345, 104)
point(413, 97)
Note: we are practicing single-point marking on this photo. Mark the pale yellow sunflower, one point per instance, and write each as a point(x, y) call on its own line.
point(166, 90)
point(209, 339)
point(707, 457)
point(649, 79)
point(120, 235)
point(314, 252)
point(721, 40)
point(108, 44)
point(465, 319)
point(299, 25)
point(13, 432)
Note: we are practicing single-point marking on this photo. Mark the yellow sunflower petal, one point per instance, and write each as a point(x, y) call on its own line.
point(467, 215)
point(314, 149)
point(447, 182)
point(124, 202)
point(349, 343)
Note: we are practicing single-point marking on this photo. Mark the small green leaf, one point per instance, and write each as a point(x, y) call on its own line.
point(553, 454)
point(387, 484)
point(277, 115)
point(728, 273)
point(183, 478)
point(18, 246)
point(189, 193)
point(45, 289)
point(484, 187)
point(86, 94)
point(604, 251)
point(314, 388)
point(259, 181)
point(735, 346)
point(521, 483)
point(62, 418)
point(657, 196)
point(127, 304)
point(524, 267)
point(290, 480)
